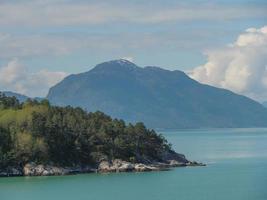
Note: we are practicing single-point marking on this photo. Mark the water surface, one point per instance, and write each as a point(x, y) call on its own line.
point(237, 170)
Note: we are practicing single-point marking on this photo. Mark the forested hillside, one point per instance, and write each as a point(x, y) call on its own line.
point(64, 136)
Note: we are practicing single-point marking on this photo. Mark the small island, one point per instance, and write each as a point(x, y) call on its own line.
point(37, 139)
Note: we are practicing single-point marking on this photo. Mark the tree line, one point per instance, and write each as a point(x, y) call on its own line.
point(65, 136)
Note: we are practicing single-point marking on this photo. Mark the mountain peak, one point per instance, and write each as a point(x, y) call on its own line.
point(120, 64)
point(161, 98)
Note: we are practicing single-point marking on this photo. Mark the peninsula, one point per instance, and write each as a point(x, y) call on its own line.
point(37, 139)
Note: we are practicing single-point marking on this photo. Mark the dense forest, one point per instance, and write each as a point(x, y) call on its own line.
point(38, 132)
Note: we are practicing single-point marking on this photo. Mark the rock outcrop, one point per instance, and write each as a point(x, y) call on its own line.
point(116, 165)
point(31, 169)
point(11, 171)
point(169, 160)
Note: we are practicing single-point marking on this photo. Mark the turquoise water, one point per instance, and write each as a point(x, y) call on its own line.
point(237, 170)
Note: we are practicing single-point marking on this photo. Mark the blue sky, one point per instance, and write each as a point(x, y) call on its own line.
point(73, 36)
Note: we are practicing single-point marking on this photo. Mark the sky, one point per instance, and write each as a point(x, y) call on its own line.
point(220, 42)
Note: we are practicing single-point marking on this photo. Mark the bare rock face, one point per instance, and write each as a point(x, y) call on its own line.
point(168, 160)
point(28, 170)
point(141, 168)
point(32, 169)
point(39, 169)
point(126, 167)
point(123, 166)
point(104, 166)
point(145, 168)
point(116, 165)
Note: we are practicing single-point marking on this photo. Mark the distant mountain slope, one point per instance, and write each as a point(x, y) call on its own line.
point(158, 97)
point(20, 97)
point(264, 104)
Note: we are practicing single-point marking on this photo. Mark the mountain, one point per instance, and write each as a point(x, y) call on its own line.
point(158, 97)
point(20, 97)
point(264, 104)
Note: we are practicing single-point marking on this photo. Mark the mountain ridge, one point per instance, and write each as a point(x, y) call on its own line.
point(21, 97)
point(159, 97)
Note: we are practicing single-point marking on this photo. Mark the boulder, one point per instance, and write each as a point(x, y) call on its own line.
point(126, 167)
point(28, 169)
point(122, 166)
point(175, 163)
point(104, 166)
point(46, 173)
point(116, 165)
point(144, 168)
point(32, 169)
point(39, 169)
point(194, 163)
point(59, 170)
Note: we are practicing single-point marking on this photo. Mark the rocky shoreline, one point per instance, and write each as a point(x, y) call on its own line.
point(115, 166)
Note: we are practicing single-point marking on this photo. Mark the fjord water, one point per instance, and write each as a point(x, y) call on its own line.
point(236, 170)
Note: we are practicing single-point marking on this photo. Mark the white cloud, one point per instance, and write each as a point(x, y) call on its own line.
point(34, 45)
point(17, 78)
point(240, 67)
point(67, 13)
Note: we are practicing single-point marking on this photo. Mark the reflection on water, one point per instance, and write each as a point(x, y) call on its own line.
point(212, 145)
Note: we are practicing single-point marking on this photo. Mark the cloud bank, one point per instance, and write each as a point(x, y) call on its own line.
point(68, 13)
point(240, 66)
point(17, 78)
point(39, 45)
